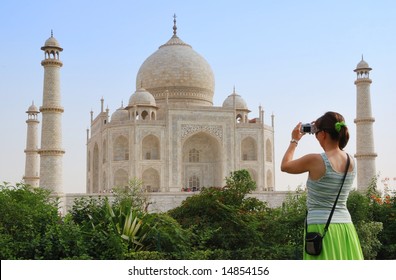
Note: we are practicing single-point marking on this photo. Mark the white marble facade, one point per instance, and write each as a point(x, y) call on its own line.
point(171, 135)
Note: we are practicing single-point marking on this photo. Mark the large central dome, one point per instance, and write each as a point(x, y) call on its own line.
point(177, 73)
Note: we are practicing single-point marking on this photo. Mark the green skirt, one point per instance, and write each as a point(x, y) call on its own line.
point(340, 243)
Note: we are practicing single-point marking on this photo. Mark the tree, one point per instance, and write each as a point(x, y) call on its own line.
point(32, 228)
point(383, 209)
point(217, 218)
point(167, 237)
point(132, 196)
point(113, 229)
point(238, 185)
point(99, 237)
point(283, 227)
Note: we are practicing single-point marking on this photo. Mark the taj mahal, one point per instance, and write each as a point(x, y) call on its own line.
point(170, 134)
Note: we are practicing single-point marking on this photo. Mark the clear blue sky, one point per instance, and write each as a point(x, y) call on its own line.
point(295, 58)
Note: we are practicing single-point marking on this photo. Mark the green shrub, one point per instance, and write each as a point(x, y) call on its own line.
point(31, 227)
point(219, 218)
point(102, 242)
point(166, 235)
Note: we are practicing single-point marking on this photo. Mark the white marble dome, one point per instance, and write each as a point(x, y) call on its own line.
point(362, 64)
point(240, 104)
point(120, 115)
point(51, 42)
point(142, 97)
point(177, 72)
point(32, 109)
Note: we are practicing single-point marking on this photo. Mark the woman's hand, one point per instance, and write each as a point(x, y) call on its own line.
point(296, 133)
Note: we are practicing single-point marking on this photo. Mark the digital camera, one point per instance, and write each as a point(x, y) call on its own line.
point(308, 128)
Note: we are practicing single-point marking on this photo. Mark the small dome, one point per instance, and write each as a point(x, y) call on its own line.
point(51, 42)
point(142, 97)
point(32, 109)
point(362, 64)
point(240, 104)
point(362, 67)
point(120, 115)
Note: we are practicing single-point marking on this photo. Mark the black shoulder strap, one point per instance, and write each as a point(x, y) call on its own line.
point(335, 202)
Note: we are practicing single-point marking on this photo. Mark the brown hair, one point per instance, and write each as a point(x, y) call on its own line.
point(327, 123)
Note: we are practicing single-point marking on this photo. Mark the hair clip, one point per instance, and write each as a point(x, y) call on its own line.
point(339, 125)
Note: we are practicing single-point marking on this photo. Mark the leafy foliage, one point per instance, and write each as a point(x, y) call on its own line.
point(384, 211)
point(218, 217)
point(166, 235)
point(283, 227)
point(31, 227)
point(131, 196)
point(217, 223)
point(126, 222)
point(368, 236)
point(100, 239)
point(238, 185)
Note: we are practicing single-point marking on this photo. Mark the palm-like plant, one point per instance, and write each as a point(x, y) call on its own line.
point(129, 225)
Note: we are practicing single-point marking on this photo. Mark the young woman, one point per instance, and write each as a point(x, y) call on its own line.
point(325, 174)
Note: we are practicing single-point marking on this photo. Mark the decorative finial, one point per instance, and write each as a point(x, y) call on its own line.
point(234, 90)
point(52, 33)
point(362, 56)
point(174, 25)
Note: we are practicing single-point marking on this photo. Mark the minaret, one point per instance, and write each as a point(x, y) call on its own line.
point(51, 152)
point(32, 163)
point(365, 155)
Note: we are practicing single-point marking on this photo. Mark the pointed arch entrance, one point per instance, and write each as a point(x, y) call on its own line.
point(151, 180)
point(201, 162)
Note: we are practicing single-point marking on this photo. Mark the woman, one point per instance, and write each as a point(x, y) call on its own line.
point(325, 174)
